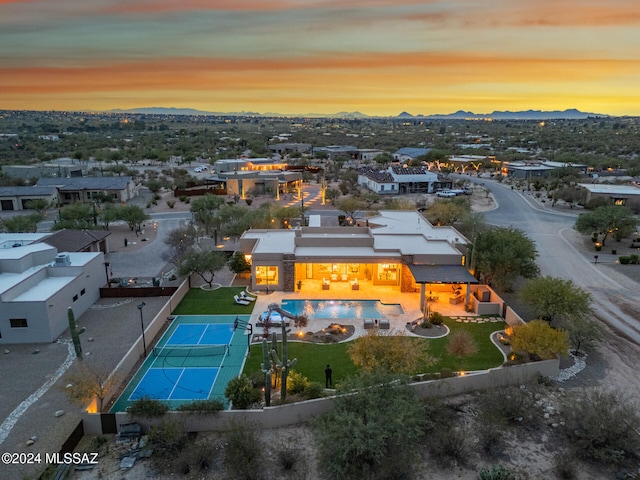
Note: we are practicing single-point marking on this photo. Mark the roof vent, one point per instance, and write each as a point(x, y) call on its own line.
point(62, 260)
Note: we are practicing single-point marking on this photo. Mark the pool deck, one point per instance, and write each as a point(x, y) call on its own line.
point(312, 290)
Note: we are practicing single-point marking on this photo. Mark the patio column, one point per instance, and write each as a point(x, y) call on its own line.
point(422, 296)
point(468, 297)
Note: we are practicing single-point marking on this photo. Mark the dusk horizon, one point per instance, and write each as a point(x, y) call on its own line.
point(296, 57)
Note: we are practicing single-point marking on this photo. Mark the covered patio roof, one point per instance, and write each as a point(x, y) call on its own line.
point(441, 274)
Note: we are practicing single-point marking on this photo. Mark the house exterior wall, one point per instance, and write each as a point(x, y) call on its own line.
point(47, 319)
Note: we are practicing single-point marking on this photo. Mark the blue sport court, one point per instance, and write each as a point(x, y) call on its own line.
point(194, 360)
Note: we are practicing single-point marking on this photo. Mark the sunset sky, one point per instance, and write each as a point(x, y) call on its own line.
point(379, 57)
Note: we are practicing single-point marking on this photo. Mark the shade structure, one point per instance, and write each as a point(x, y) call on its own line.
point(441, 274)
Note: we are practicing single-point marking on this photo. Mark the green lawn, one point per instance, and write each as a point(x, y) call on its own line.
point(313, 358)
point(215, 302)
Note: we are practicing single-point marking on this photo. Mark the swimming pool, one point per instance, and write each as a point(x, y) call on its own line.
point(342, 309)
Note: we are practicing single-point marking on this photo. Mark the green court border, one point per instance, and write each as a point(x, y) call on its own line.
point(231, 367)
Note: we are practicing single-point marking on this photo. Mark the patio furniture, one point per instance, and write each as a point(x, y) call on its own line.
point(456, 299)
point(344, 277)
point(368, 323)
point(244, 296)
point(334, 277)
point(325, 284)
point(240, 301)
point(355, 285)
point(384, 324)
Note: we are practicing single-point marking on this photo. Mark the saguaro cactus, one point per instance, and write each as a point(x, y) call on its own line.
point(266, 369)
point(283, 365)
point(75, 335)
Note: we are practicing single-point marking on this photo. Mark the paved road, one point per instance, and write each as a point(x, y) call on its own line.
point(560, 255)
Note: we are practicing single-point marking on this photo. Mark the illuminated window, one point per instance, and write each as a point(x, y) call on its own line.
point(18, 322)
point(266, 274)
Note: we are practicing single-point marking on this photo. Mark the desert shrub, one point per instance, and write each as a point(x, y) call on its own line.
point(634, 259)
point(436, 318)
point(168, 437)
point(241, 392)
point(290, 462)
point(296, 382)
point(243, 453)
point(147, 408)
point(183, 198)
point(171, 203)
point(446, 373)
point(602, 426)
point(515, 405)
point(490, 432)
point(497, 472)
point(360, 439)
point(249, 201)
point(202, 406)
point(564, 466)
point(257, 379)
point(449, 446)
point(313, 390)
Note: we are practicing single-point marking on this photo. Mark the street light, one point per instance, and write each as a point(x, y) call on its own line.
point(144, 343)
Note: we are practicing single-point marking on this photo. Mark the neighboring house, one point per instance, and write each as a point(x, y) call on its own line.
point(399, 180)
point(538, 168)
point(334, 151)
point(38, 285)
point(18, 198)
point(257, 182)
point(399, 249)
point(68, 240)
point(51, 169)
point(619, 194)
point(85, 189)
point(282, 148)
point(407, 154)
point(248, 165)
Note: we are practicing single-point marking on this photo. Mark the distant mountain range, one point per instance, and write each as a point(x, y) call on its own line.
point(571, 114)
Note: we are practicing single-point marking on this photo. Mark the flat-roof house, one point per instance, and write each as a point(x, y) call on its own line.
point(18, 198)
point(618, 194)
point(537, 168)
point(409, 153)
point(248, 164)
point(85, 189)
point(38, 285)
point(282, 148)
point(399, 249)
point(398, 180)
point(257, 182)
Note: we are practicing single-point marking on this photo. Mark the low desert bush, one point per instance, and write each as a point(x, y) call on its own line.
point(147, 408)
point(243, 453)
point(241, 392)
point(601, 425)
point(449, 446)
point(497, 472)
point(564, 466)
point(168, 437)
point(202, 406)
point(296, 382)
point(436, 318)
point(514, 405)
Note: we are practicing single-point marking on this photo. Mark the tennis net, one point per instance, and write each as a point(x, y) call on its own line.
point(191, 351)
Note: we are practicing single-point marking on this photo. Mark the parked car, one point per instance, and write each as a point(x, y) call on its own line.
point(446, 193)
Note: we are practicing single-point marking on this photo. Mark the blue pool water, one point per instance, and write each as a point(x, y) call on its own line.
point(342, 309)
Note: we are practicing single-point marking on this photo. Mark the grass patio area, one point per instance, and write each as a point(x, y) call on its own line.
point(313, 358)
point(212, 302)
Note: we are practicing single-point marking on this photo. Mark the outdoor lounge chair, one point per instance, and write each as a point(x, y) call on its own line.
point(240, 301)
point(244, 296)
